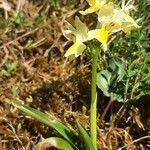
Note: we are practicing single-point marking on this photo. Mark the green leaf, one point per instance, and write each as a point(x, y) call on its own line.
point(18, 18)
point(53, 142)
point(48, 120)
point(103, 84)
point(110, 81)
point(39, 18)
point(10, 67)
point(85, 137)
point(131, 71)
point(120, 70)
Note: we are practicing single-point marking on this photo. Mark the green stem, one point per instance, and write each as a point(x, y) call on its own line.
point(93, 111)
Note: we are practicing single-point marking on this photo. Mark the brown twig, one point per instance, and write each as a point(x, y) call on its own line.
point(18, 38)
point(16, 136)
point(106, 109)
point(135, 141)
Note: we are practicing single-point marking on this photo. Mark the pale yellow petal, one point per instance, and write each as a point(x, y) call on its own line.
point(76, 49)
point(129, 19)
point(106, 10)
point(70, 31)
point(80, 49)
point(129, 24)
point(127, 27)
point(113, 25)
point(69, 35)
point(81, 28)
point(70, 27)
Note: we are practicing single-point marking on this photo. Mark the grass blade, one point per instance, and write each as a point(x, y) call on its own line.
point(85, 137)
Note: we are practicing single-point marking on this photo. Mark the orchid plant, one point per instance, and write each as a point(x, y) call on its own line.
point(110, 20)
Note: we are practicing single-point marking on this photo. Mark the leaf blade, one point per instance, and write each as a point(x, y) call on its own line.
point(54, 142)
point(47, 120)
point(85, 137)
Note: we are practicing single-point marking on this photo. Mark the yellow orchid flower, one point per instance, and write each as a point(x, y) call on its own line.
point(95, 5)
point(127, 21)
point(115, 19)
point(75, 50)
point(129, 24)
point(101, 35)
point(78, 35)
point(108, 19)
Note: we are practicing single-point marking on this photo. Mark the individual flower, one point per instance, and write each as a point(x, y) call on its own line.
point(101, 35)
point(115, 19)
point(108, 19)
point(95, 5)
point(78, 35)
point(123, 13)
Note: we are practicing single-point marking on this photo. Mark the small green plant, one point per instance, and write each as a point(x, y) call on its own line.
point(8, 69)
point(18, 19)
point(39, 18)
point(54, 2)
point(111, 20)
